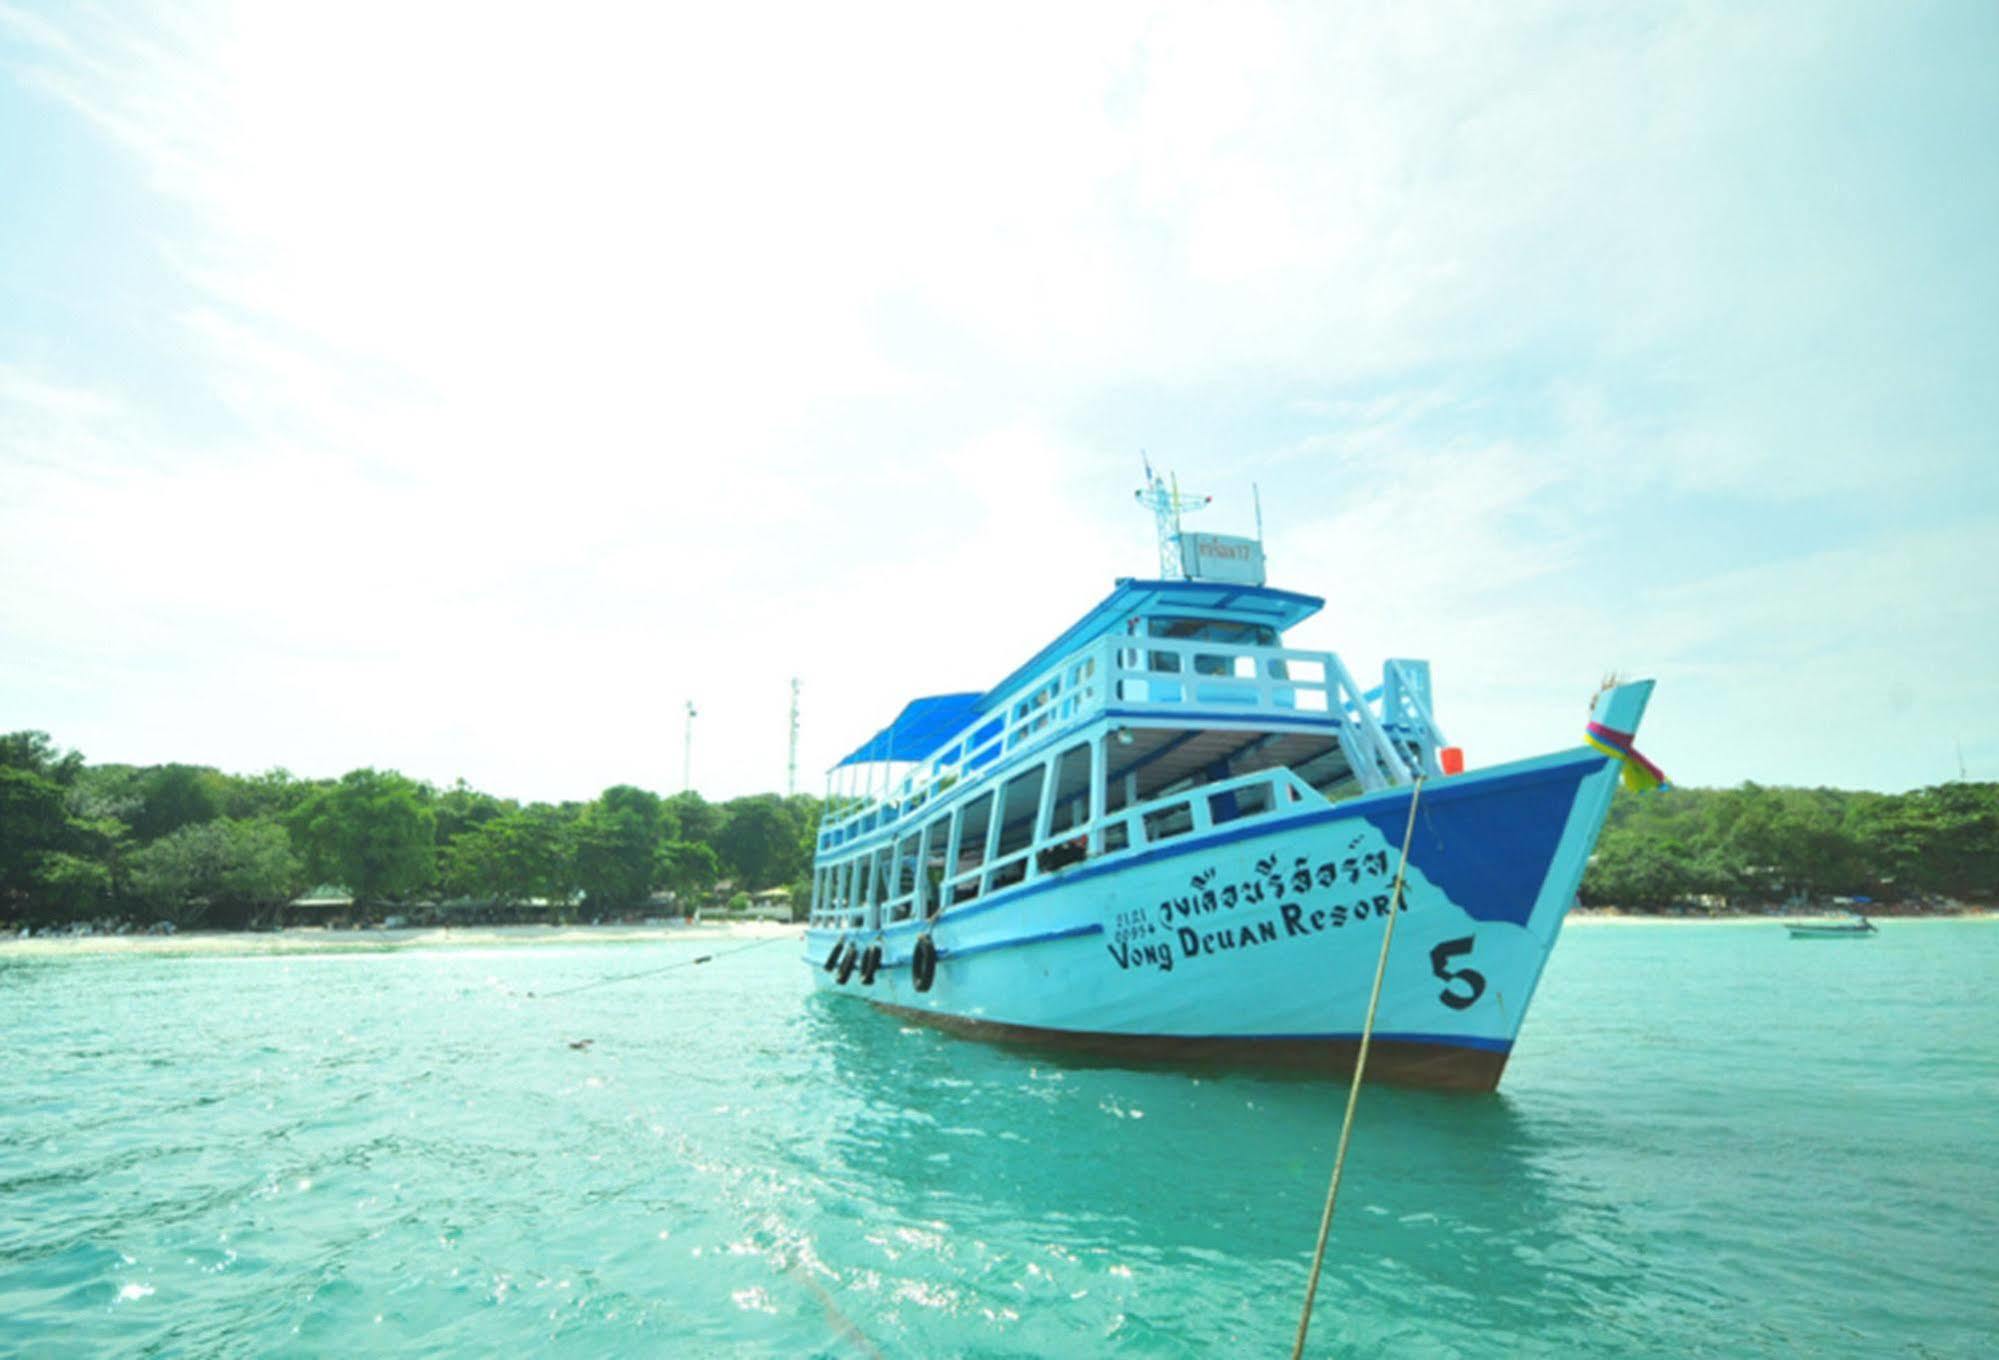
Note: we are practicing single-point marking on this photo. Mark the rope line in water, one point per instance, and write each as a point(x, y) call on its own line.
point(835, 1318)
point(653, 972)
point(1359, 1066)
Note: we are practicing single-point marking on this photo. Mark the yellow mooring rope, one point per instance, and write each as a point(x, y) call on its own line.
point(1359, 1066)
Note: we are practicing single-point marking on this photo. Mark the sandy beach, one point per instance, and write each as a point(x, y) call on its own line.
point(319, 940)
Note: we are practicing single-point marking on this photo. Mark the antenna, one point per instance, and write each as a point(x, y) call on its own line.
point(1257, 496)
point(687, 752)
point(1167, 501)
point(791, 766)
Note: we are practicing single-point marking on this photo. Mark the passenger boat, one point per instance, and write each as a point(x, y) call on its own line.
point(1858, 928)
point(1170, 835)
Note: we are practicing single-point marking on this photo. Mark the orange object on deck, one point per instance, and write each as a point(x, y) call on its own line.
point(1452, 758)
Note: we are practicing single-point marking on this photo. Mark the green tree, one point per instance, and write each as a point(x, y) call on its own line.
point(224, 870)
point(71, 887)
point(695, 818)
point(805, 812)
point(617, 843)
point(1630, 871)
point(515, 857)
point(34, 751)
point(461, 808)
point(51, 865)
point(1942, 840)
point(174, 796)
point(34, 824)
point(687, 868)
point(275, 794)
point(760, 841)
point(108, 793)
point(371, 832)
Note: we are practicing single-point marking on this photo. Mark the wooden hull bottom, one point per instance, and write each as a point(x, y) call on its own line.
point(1397, 1062)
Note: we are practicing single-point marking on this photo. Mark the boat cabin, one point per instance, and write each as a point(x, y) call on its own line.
point(1172, 708)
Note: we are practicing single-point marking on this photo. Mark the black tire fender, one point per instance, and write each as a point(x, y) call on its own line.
point(847, 962)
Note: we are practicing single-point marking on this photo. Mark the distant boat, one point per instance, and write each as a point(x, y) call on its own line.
point(1171, 834)
point(1857, 928)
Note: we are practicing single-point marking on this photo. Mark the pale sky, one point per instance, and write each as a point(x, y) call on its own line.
point(463, 389)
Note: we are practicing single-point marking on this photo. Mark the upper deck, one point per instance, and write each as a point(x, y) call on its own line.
point(1154, 654)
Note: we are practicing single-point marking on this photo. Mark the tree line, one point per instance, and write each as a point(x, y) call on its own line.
point(1755, 845)
point(194, 845)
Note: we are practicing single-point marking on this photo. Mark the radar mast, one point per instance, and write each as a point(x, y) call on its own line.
point(1168, 502)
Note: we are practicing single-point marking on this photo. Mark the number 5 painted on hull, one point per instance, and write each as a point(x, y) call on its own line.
point(1440, 959)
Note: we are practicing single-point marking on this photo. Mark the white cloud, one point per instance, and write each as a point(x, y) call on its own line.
point(578, 363)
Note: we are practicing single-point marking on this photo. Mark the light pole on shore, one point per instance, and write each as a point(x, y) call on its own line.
point(687, 752)
point(791, 765)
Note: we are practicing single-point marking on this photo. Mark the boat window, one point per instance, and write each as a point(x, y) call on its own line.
point(936, 837)
point(1117, 789)
point(1208, 630)
point(882, 860)
point(1072, 790)
point(1021, 806)
point(1168, 822)
point(1232, 804)
point(1117, 836)
point(862, 880)
point(1214, 630)
point(902, 879)
point(974, 824)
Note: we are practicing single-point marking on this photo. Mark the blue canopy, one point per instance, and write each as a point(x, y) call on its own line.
point(919, 729)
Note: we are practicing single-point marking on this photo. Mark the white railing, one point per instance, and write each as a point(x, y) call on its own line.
point(1173, 672)
point(1405, 703)
point(1150, 823)
point(1144, 675)
point(1060, 696)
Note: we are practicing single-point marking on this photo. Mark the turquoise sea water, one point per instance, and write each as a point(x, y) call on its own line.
point(1712, 1141)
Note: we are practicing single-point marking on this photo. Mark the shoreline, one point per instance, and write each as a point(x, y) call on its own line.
point(321, 940)
point(1612, 916)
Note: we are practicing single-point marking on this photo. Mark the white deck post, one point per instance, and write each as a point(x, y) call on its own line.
point(1051, 769)
point(947, 890)
point(1099, 774)
point(994, 819)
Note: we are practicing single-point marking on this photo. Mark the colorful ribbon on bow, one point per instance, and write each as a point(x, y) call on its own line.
point(1639, 773)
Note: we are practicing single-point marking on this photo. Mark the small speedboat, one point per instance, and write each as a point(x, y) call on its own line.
point(1857, 928)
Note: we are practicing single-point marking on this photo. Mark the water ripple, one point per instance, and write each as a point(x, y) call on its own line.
point(402, 1154)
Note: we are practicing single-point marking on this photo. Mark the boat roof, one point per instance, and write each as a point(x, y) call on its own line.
point(924, 725)
point(921, 728)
